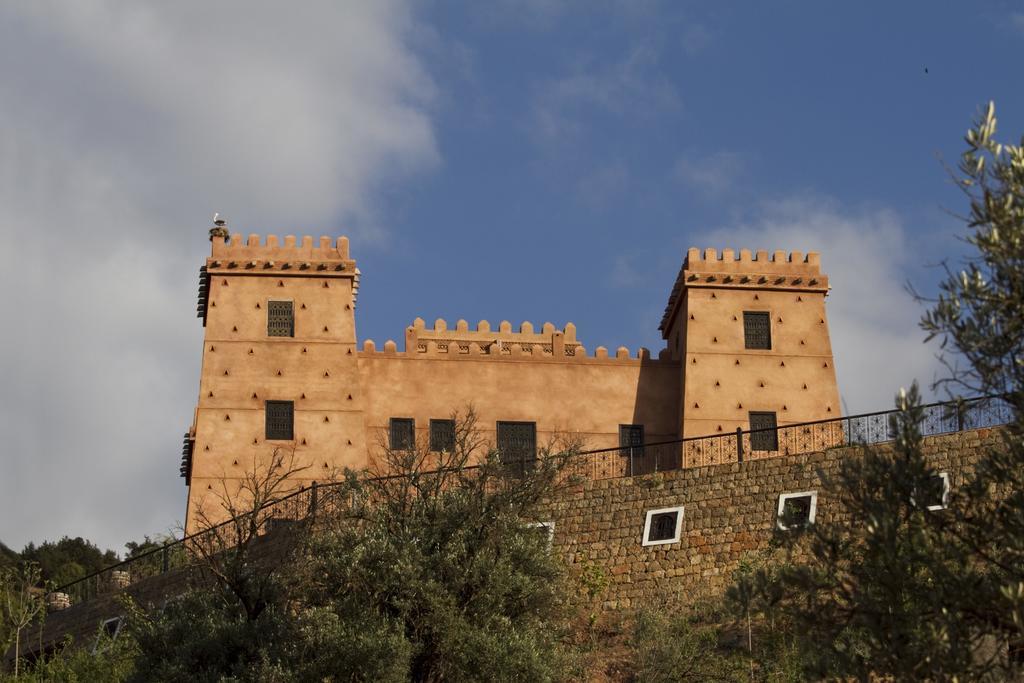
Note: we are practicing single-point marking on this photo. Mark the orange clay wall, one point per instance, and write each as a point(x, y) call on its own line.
point(243, 367)
point(579, 392)
point(724, 380)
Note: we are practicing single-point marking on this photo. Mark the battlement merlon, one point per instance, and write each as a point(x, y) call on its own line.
point(760, 261)
point(325, 259)
point(750, 270)
point(418, 333)
point(556, 351)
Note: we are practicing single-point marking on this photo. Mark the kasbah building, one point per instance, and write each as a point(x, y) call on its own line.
point(746, 346)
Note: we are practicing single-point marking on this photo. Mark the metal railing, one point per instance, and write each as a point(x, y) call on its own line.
point(607, 463)
point(805, 437)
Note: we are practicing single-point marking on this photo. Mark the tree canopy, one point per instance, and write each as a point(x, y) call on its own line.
point(68, 559)
point(888, 586)
point(432, 571)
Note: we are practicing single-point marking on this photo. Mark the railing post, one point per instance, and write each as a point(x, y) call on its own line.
point(631, 461)
point(165, 560)
point(739, 444)
point(313, 500)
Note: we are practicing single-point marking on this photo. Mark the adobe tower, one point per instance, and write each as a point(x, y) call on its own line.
point(278, 361)
point(753, 340)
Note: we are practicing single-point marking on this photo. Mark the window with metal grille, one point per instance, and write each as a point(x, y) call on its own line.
point(768, 439)
point(402, 433)
point(517, 444)
point(663, 526)
point(280, 420)
point(631, 440)
point(280, 319)
point(757, 330)
point(442, 435)
point(797, 510)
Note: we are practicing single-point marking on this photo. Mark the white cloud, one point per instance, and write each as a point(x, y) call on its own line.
point(877, 344)
point(631, 87)
point(712, 175)
point(124, 126)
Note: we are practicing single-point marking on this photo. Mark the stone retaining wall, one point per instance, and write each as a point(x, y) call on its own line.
point(729, 512)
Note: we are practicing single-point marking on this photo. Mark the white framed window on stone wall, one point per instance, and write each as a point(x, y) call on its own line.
point(547, 528)
point(799, 509)
point(936, 496)
point(663, 526)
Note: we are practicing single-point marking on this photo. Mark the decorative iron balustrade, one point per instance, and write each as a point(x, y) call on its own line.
point(805, 437)
point(607, 463)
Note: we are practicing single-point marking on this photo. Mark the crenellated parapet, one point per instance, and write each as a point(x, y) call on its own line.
point(777, 270)
point(325, 257)
point(549, 340)
point(760, 261)
point(549, 343)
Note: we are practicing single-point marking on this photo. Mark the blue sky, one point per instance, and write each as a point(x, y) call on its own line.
point(582, 153)
point(534, 160)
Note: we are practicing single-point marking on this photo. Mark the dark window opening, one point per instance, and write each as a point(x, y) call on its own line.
point(442, 435)
point(403, 433)
point(517, 445)
point(768, 439)
point(280, 420)
point(632, 437)
point(796, 511)
point(631, 441)
point(112, 626)
point(935, 492)
point(280, 319)
point(663, 526)
point(757, 330)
